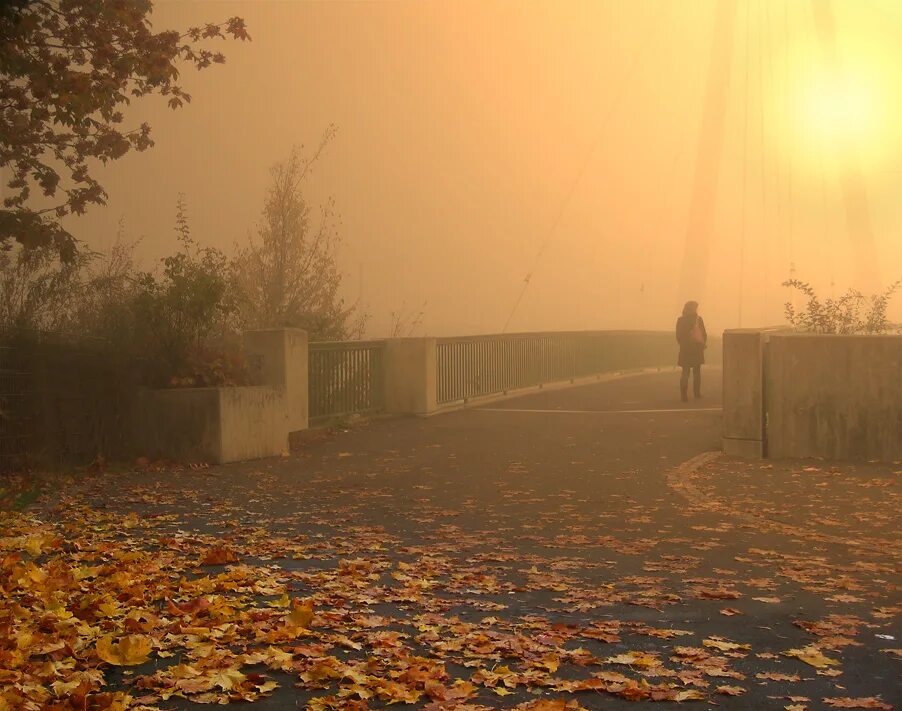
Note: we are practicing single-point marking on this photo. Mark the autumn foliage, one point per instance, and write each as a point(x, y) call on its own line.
point(68, 71)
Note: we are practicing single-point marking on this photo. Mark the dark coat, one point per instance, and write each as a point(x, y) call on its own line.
point(691, 352)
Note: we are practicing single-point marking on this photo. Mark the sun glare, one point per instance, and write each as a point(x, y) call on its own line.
point(853, 107)
point(838, 111)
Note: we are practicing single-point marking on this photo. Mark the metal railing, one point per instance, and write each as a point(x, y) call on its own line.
point(344, 378)
point(486, 365)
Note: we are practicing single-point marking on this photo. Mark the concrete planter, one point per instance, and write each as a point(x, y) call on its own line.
point(807, 395)
point(219, 425)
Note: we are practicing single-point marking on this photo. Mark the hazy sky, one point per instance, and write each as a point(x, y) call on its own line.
point(467, 127)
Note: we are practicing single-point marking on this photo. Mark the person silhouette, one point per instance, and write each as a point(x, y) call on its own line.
point(693, 338)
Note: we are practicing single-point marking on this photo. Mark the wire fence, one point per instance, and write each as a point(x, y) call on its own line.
point(63, 401)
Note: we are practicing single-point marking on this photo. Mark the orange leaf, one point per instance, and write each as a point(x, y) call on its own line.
point(869, 702)
point(301, 614)
point(218, 555)
point(129, 651)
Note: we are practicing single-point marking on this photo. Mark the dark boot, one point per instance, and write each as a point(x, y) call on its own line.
point(684, 391)
point(697, 383)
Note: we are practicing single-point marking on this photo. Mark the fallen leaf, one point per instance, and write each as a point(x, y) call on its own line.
point(811, 655)
point(301, 614)
point(128, 651)
point(725, 646)
point(869, 702)
point(730, 690)
point(218, 555)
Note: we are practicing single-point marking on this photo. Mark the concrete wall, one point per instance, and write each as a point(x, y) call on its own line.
point(279, 357)
point(837, 397)
point(410, 371)
point(181, 424)
point(794, 395)
point(220, 425)
point(743, 392)
point(252, 423)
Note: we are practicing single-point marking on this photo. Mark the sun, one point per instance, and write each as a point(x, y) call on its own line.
point(848, 106)
point(839, 111)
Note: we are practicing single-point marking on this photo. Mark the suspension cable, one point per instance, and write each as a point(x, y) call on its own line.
point(745, 169)
point(641, 53)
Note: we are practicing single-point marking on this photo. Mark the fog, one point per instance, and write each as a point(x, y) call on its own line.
point(482, 142)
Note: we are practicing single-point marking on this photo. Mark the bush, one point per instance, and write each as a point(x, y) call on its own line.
point(174, 324)
point(851, 313)
point(181, 312)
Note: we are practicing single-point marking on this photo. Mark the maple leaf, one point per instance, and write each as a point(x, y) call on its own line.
point(828, 672)
point(688, 695)
point(130, 650)
point(634, 659)
point(717, 594)
point(301, 614)
point(869, 702)
point(543, 705)
point(811, 655)
point(65, 688)
point(187, 608)
point(777, 676)
point(218, 555)
point(730, 690)
point(725, 646)
point(227, 679)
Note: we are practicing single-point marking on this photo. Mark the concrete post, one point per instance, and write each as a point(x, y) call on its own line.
point(278, 357)
point(743, 393)
point(410, 376)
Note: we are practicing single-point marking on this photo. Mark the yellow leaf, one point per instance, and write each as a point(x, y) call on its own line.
point(689, 695)
point(35, 544)
point(129, 651)
point(634, 659)
point(227, 679)
point(63, 688)
point(811, 655)
point(301, 614)
point(724, 646)
point(108, 609)
point(730, 690)
point(283, 601)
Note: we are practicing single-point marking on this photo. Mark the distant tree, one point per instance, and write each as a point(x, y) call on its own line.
point(405, 323)
point(848, 314)
point(36, 289)
point(67, 69)
point(288, 276)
